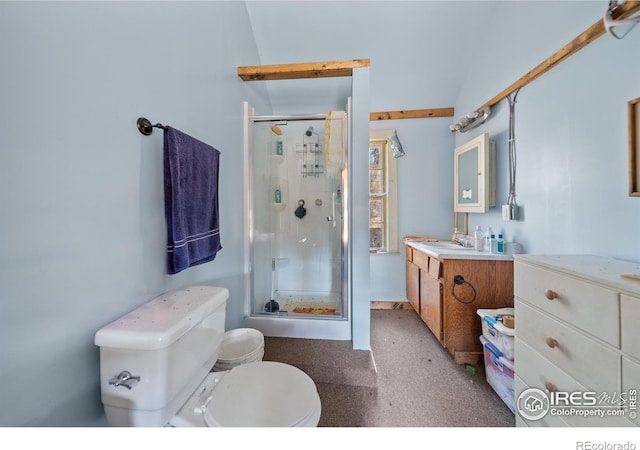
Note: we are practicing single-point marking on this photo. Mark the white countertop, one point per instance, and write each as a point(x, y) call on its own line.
point(447, 250)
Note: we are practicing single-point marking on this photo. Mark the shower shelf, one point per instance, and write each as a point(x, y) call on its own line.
point(310, 165)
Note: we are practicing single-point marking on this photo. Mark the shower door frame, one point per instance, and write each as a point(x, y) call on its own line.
point(302, 326)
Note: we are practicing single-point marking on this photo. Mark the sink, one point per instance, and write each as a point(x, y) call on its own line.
point(443, 245)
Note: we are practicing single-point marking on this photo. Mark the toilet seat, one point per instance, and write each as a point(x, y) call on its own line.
point(256, 394)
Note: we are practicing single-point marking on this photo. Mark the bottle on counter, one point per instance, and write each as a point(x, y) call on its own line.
point(478, 239)
point(487, 240)
point(500, 244)
point(492, 243)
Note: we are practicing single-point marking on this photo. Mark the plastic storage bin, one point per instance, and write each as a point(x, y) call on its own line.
point(499, 372)
point(495, 332)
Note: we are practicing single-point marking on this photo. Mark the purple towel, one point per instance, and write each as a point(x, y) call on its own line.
point(190, 200)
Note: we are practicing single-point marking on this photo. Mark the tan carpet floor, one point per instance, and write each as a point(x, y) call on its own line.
point(407, 380)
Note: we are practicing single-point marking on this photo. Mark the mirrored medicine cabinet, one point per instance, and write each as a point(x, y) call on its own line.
point(474, 166)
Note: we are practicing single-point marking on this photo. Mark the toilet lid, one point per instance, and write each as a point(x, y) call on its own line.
point(262, 394)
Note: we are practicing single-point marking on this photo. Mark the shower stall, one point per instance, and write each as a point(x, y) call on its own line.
point(297, 233)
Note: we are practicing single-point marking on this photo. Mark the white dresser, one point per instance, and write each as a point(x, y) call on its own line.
point(577, 331)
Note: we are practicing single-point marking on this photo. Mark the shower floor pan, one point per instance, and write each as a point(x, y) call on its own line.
point(309, 303)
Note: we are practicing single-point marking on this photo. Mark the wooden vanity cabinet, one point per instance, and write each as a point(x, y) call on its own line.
point(431, 293)
point(413, 281)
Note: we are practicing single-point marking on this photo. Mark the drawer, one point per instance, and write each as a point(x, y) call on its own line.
point(631, 381)
point(539, 372)
point(586, 306)
point(547, 421)
point(421, 260)
point(590, 362)
point(435, 268)
point(630, 333)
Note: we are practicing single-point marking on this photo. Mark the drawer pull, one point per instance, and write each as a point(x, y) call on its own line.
point(551, 295)
point(551, 342)
point(550, 386)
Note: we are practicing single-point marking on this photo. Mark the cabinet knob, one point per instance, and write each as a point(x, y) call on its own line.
point(550, 386)
point(550, 294)
point(551, 342)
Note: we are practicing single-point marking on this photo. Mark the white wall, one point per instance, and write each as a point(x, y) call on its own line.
point(82, 216)
point(571, 138)
point(425, 196)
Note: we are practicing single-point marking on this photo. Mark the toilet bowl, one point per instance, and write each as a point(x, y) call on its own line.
point(244, 396)
point(155, 370)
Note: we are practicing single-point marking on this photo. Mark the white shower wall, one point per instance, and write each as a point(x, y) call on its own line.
point(308, 250)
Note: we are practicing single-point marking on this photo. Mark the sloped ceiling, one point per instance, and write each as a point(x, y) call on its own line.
point(409, 42)
point(421, 52)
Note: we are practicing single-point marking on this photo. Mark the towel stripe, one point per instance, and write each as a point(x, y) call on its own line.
point(193, 238)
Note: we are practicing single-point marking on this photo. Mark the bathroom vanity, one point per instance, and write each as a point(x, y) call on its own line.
point(447, 303)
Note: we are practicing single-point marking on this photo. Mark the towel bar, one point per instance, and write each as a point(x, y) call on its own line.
point(145, 127)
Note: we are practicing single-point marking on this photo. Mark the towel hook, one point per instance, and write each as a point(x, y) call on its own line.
point(145, 127)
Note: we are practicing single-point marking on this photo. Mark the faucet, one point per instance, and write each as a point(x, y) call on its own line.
point(463, 242)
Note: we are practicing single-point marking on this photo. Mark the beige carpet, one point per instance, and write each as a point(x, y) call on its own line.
point(407, 380)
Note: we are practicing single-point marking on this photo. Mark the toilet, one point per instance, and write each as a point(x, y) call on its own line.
point(155, 370)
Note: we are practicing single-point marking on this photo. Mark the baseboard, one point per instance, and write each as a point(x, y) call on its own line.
point(391, 305)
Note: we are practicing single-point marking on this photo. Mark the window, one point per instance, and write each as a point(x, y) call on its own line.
point(383, 208)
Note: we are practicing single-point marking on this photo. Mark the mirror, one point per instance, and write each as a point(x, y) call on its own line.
point(474, 167)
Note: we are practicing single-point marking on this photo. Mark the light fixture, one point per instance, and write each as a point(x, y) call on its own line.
point(610, 23)
point(471, 120)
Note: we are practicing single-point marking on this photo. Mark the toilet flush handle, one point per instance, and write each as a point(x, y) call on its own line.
point(125, 379)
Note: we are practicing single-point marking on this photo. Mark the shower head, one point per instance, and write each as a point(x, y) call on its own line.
point(309, 131)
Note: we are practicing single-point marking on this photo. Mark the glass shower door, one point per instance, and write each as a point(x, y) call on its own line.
point(297, 172)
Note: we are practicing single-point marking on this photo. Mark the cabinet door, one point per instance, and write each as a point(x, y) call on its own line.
point(431, 304)
point(413, 286)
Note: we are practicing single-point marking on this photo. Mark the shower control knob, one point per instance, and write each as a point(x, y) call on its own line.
point(300, 211)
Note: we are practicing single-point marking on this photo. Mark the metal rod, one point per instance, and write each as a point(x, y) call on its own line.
point(290, 117)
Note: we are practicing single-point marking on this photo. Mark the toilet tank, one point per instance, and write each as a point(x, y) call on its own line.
point(170, 343)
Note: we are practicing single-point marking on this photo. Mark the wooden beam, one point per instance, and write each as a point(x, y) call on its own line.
point(301, 70)
point(412, 114)
point(624, 10)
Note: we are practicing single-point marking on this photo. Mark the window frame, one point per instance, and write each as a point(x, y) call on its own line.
point(388, 196)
